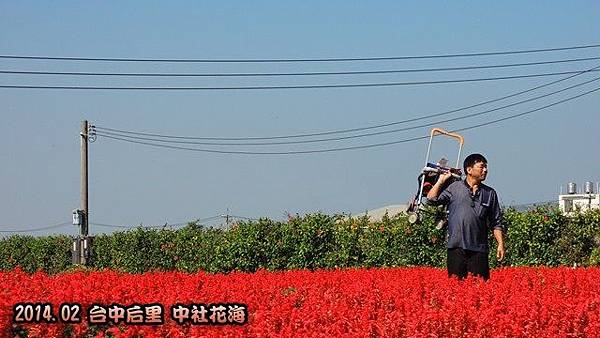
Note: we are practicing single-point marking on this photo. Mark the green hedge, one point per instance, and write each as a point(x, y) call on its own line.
point(539, 237)
point(51, 253)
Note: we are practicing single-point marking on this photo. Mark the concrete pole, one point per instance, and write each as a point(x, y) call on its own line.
point(84, 188)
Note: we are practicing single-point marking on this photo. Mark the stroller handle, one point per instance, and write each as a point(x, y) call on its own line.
point(436, 131)
point(438, 171)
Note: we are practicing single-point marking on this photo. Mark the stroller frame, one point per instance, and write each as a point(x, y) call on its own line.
point(436, 169)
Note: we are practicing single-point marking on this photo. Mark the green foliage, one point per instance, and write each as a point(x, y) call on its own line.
point(195, 248)
point(533, 235)
point(422, 243)
point(316, 241)
point(247, 246)
point(50, 253)
point(580, 240)
point(135, 251)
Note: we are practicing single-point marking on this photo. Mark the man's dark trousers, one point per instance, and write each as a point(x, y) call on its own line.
point(461, 262)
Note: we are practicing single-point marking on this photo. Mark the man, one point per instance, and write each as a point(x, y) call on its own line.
point(473, 208)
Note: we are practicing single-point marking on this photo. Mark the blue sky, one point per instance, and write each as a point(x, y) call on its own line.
point(529, 158)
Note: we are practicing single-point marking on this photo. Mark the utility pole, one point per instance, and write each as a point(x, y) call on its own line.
point(84, 177)
point(85, 250)
point(82, 244)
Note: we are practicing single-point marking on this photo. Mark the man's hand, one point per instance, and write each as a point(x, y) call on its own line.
point(501, 252)
point(444, 177)
point(437, 187)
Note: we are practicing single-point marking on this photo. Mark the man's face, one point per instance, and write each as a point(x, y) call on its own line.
point(478, 171)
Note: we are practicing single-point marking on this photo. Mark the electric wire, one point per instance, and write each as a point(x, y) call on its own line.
point(198, 221)
point(244, 218)
point(59, 225)
point(346, 59)
point(351, 129)
point(143, 226)
point(102, 132)
point(533, 204)
point(388, 71)
point(346, 85)
point(354, 136)
point(137, 226)
point(110, 225)
point(352, 147)
point(527, 112)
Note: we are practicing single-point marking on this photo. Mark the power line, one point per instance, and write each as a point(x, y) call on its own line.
point(141, 226)
point(353, 136)
point(128, 134)
point(539, 203)
point(38, 229)
point(352, 129)
point(346, 59)
point(353, 147)
point(200, 220)
point(358, 85)
point(205, 219)
point(244, 218)
point(392, 71)
point(110, 225)
point(527, 112)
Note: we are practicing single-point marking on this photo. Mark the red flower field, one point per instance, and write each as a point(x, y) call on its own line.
point(394, 302)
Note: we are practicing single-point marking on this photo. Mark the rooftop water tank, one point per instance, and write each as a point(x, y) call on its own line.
point(589, 187)
point(571, 188)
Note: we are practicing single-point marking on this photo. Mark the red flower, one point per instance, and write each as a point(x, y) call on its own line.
point(415, 302)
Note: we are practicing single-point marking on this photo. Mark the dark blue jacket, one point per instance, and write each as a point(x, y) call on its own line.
point(470, 217)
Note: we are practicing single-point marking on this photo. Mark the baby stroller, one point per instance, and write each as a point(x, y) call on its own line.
point(429, 176)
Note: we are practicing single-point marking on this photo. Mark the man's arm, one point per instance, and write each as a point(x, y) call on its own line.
point(499, 235)
point(499, 228)
point(434, 193)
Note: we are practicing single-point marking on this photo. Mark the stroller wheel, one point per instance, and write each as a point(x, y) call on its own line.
point(413, 218)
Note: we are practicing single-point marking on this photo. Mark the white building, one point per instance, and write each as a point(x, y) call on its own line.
point(575, 201)
point(376, 215)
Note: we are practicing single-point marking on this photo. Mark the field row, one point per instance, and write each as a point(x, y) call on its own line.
point(415, 302)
